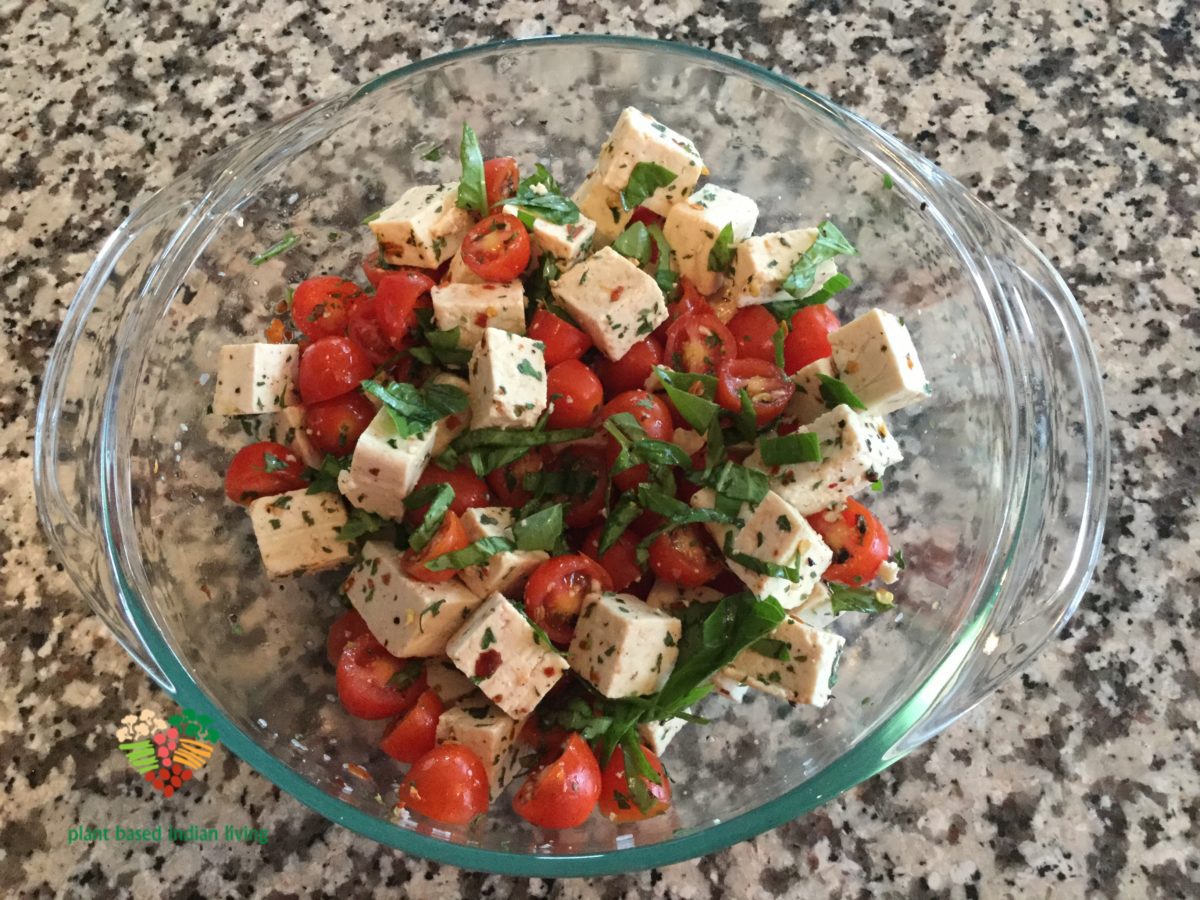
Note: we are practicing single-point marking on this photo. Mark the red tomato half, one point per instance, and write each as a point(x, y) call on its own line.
point(363, 327)
point(562, 339)
point(397, 299)
point(470, 491)
point(375, 269)
point(321, 305)
point(619, 561)
point(413, 734)
point(508, 482)
point(364, 673)
point(655, 418)
point(450, 537)
point(348, 626)
point(336, 425)
point(769, 388)
point(563, 793)
point(617, 803)
point(332, 366)
point(858, 540)
point(808, 337)
point(449, 784)
point(686, 555)
point(497, 248)
point(263, 470)
point(501, 176)
point(555, 592)
point(629, 373)
point(753, 330)
point(575, 392)
point(697, 342)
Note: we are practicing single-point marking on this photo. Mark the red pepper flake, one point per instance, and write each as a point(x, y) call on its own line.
point(481, 319)
point(487, 663)
point(549, 671)
point(616, 294)
point(276, 333)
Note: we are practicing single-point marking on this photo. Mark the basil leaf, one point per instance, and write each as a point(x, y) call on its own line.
point(835, 393)
point(720, 257)
point(439, 497)
point(360, 523)
point(634, 243)
point(442, 348)
point(537, 287)
point(541, 177)
point(676, 511)
point(541, 530)
point(414, 411)
point(663, 276)
point(851, 599)
point(284, 244)
point(898, 556)
point(272, 463)
point(740, 483)
point(618, 520)
point(798, 447)
point(551, 207)
point(760, 566)
point(777, 340)
point(644, 180)
point(323, 479)
point(746, 420)
point(407, 674)
point(475, 554)
point(785, 309)
point(472, 188)
point(570, 482)
point(699, 412)
point(503, 437)
point(830, 243)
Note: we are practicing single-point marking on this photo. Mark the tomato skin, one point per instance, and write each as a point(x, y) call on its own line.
point(697, 342)
point(545, 742)
point(376, 269)
point(413, 734)
point(448, 784)
point(686, 555)
point(321, 305)
point(397, 299)
point(655, 418)
point(332, 366)
point(619, 561)
point(575, 392)
point(364, 328)
point(563, 793)
point(808, 337)
point(500, 177)
point(470, 491)
point(247, 477)
point(507, 482)
point(334, 426)
point(348, 626)
point(754, 330)
point(562, 339)
point(497, 248)
point(556, 589)
point(858, 540)
point(616, 803)
point(363, 672)
point(584, 462)
point(630, 372)
point(449, 537)
point(769, 387)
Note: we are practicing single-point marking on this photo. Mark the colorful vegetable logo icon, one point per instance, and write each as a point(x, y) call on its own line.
point(166, 753)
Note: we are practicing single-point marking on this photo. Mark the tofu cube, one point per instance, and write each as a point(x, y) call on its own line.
point(693, 225)
point(878, 362)
point(603, 207)
point(497, 648)
point(487, 732)
point(566, 243)
point(624, 647)
point(256, 378)
point(287, 428)
point(297, 532)
point(657, 735)
point(443, 678)
point(730, 688)
point(385, 467)
point(762, 263)
point(671, 597)
point(447, 429)
point(409, 617)
point(471, 308)
point(639, 138)
point(507, 381)
point(614, 301)
point(506, 572)
point(460, 273)
point(817, 608)
point(806, 404)
point(856, 450)
point(807, 672)
point(423, 227)
point(774, 532)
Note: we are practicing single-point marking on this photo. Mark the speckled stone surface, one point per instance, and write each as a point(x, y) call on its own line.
point(1074, 118)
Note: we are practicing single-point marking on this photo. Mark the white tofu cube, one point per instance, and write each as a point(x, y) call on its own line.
point(488, 733)
point(256, 378)
point(657, 735)
point(423, 227)
point(693, 225)
point(807, 672)
point(297, 532)
point(639, 138)
point(506, 572)
point(409, 617)
point(507, 376)
point(498, 649)
point(473, 307)
point(603, 207)
point(460, 273)
point(774, 532)
point(878, 362)
point(614, 301)
point(671, 597)
point(566, 243)
point(624, 647)
point(817, 608)
point(762, 263)
point(856, 450)
point(287, 428)
point(447, 429)
point(806, 404)
point(730, 688)
point(443, 678)
point(385, 467)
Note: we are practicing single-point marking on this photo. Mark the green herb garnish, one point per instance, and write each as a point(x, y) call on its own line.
point(858, 599)
point(644, 180)
point(284, 244)
point(472, 188)
point(720, 257)
point(835, 393)
point(830, 243)
point(798, 447)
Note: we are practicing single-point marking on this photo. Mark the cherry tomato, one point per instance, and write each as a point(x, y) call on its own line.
point(858, 540)
point(348, 626)
point(470, 491)
point(364, 328)
point(582, 465)
point(507, 482)
point(619, 561)
point(629, 373)
point(448, 784)
point(397, 299)
point(413, 734)
point(332, 366)
point(321, 305)
point(769, 388)
point(263, 470)
point(555, 591)
point(562, 339)
point(449, 537)
point(808, 337)
point(336, 425)
point(617, 801)
point(697, 342)
point(575, 392)
point(364, 680)
point(686, 555)
point(500, 175)
point(497, 248)
point(544, 741)
point(753, 330)
point(375, 268)
point(563, 793)
point(654, 417)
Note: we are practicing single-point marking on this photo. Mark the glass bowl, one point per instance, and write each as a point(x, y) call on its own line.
point(997, 505)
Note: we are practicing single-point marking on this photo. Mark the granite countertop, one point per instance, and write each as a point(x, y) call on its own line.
point(1075, 120)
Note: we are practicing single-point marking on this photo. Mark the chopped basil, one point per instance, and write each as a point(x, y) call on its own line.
point(272, 463)
point(439, 497)
point(798, 447)
point(323, 479)
point(888, 183)
point(359, 524)
point(858, 599)
point(720, 257)
point(547, 203)
point(634, 243)
point(434, 610)
point(644, 180)
point(740, 483)
point(525, 367)
point(541, 530)
point(898, 556)
point(785, 309)
point(475, 554)
point(698, 411)
point(772, 648)
point(760, 566)
point(284, 244)
point(472, 188)
point(617, 521)
point(877, 486)
point(489, 638)
point(367, 220)
point(537, 287)
point(664, 277)
point(777, 340)
point(830, 243)
point(835, 393)
point(407, 675)
point(433, 154)
point(413, 411)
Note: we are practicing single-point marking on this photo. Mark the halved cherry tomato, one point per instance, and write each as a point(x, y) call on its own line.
point(321, 305)
point(563, 793)
point(581, 466)
point(332, 366)
point(686, 555)
point(364, 328)
point(500, 176)
point(630, 372)
point(562, 339)
point(808, 337)
point(655, 418)
point(689, 300)
point(497, 248)
point(617, 801)
point(448, 784)
point(575, 394)
point(364, 680)
point(397, 299)
point(348, 626)
point(858, 540)
point(336, 425)
point(449, 537)
point(753, 330)
point(544, 741)
point(769, 388)
point(697, 342)
point(470, 491)
point(263, 470)
point(619, 561)
point(555, 591)
point(508, 482)
point(413, 734)
point(375, 268)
